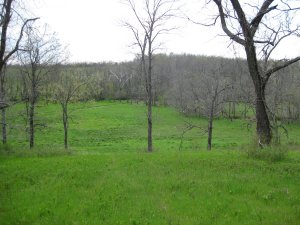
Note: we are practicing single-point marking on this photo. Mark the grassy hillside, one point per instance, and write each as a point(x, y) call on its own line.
point(140, 188)
point(118, 127)
point(110, 179)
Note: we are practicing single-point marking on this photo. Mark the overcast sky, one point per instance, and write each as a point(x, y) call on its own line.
point(93, 32)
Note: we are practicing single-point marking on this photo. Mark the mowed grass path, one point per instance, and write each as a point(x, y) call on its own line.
point(110, 179)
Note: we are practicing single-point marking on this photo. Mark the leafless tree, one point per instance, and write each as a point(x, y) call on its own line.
point(66, 90)
point(121, 74)
point(208, 92)
point(215, 91)
point(151, 17)
point(9, 45)
point(260, 27)
point(41, 51)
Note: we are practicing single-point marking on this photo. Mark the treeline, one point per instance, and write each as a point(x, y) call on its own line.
point(193, 84)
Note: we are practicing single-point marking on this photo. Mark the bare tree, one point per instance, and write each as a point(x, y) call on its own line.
point(260, 27)
point(8, 47)
point(151, 17)
point(41, 52)
point(66, 90)
point(121, 74)
point(215, 90)
point(208, 89)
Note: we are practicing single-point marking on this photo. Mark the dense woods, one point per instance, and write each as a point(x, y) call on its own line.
point(187, 82)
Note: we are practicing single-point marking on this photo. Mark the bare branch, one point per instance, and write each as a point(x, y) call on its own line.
point(234, 37)
point(262, 12)
point(283, 65)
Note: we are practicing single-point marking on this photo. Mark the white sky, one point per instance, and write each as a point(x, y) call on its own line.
point(93, 32)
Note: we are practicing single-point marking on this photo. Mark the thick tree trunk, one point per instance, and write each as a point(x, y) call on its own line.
point(263, 128)
point(3, 110)
point(31, 124)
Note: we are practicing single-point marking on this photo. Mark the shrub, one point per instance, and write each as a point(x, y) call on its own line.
point(271, 153)
point(5, 149)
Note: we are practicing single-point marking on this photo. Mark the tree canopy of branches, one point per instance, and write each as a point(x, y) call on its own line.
point(260, 27)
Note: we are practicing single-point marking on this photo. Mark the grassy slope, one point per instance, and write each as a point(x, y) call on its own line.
point(118, 183)
point(107, 127)
point(140, 188)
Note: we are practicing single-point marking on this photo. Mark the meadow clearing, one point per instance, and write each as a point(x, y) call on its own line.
point(107, 177)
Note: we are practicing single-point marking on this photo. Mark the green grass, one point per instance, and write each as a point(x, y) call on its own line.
point(107, 127)
point(221, 187)
point(108, 178)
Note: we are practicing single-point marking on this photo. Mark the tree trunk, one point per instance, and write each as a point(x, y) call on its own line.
point(233, 110)
point(263, 128)
point(245, 111)
point(150, 147)
point(4, 133)
point(65, 135)
point(3, 111)
point(210, 126)
point(65, 123)
point(149, 93)
point(229, 110)
point(31, 124)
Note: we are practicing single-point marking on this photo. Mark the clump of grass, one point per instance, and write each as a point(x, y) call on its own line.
point(35, 152)
point(273, 153)
point(5, 149)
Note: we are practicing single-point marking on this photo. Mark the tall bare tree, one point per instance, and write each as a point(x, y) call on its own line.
point(151, 17)
point(42, 51)
point(66, 90)
point(260, 27)
point(8, 47)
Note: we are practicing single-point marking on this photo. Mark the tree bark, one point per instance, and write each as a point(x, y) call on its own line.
point(150, 97)
point(263, 128)
point(210, 127)
point(65, 122)
point(4, 133)
point(3, 122)
point(150, 146)
point(31, 124)
point(3, 110)
point(32, 101)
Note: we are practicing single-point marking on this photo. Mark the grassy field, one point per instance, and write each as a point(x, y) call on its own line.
point(109, 178)
point(118, 127)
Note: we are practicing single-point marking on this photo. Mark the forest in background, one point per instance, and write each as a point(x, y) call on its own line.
point(187, 82)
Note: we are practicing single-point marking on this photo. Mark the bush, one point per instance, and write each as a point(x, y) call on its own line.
point(5, 149)
point(271, 153)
